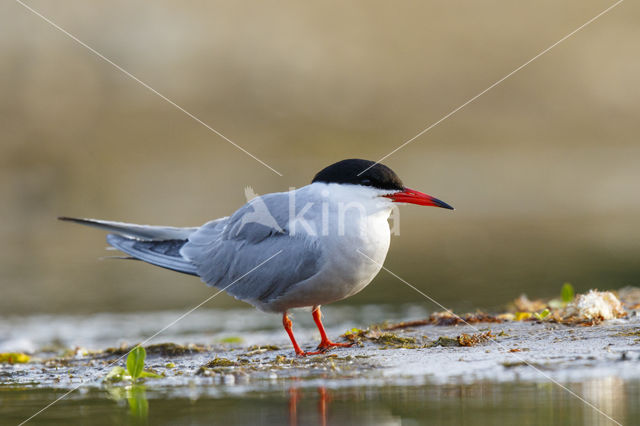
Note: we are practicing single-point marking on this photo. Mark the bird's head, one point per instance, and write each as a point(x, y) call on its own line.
point(378, 176)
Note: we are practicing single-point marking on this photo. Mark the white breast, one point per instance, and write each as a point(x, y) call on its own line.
point(352, 227)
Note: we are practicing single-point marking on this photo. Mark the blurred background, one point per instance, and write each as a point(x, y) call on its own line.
point(543, 170)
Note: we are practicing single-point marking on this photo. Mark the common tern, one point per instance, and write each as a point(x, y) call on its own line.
point(307, 247)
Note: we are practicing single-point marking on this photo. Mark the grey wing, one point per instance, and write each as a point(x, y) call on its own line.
point(252, 255)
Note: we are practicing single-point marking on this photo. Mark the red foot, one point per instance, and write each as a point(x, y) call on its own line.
point(325, 346)
point(325, 343)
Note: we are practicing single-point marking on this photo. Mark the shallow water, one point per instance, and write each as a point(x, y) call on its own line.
point(479, 403)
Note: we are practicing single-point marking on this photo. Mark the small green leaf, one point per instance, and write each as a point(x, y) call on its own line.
point(231, 339)
point(567, 293)
point(115, 375)
point(150, 374)
point(542, 315)
point(135, 362)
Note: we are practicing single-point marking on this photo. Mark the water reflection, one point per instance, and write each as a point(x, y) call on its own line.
point(138, 404)
point(323, 401)
point(295, 394)
point(608, 394)
point(525, 403)
point(300, 402)
point(136, 398)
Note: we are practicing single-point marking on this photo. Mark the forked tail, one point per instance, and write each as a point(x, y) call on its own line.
point(157, 245)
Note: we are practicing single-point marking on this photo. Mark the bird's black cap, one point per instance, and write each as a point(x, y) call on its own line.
point(351, 171)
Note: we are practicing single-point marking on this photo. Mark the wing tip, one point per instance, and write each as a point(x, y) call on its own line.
point(74, 219)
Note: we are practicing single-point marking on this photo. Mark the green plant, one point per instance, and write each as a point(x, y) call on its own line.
point(567, 294)
point(135, 368)
point(135, 362)
point(542, 315)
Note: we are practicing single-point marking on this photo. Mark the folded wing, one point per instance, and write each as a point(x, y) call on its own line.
point(224, 253)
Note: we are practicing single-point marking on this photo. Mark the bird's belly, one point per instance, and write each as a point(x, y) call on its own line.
point(351, 262)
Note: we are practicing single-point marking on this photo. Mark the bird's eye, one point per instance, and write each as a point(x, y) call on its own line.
point(365, 181)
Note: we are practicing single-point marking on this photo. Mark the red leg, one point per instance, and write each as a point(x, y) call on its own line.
point(325, 343)
point(286, 322)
